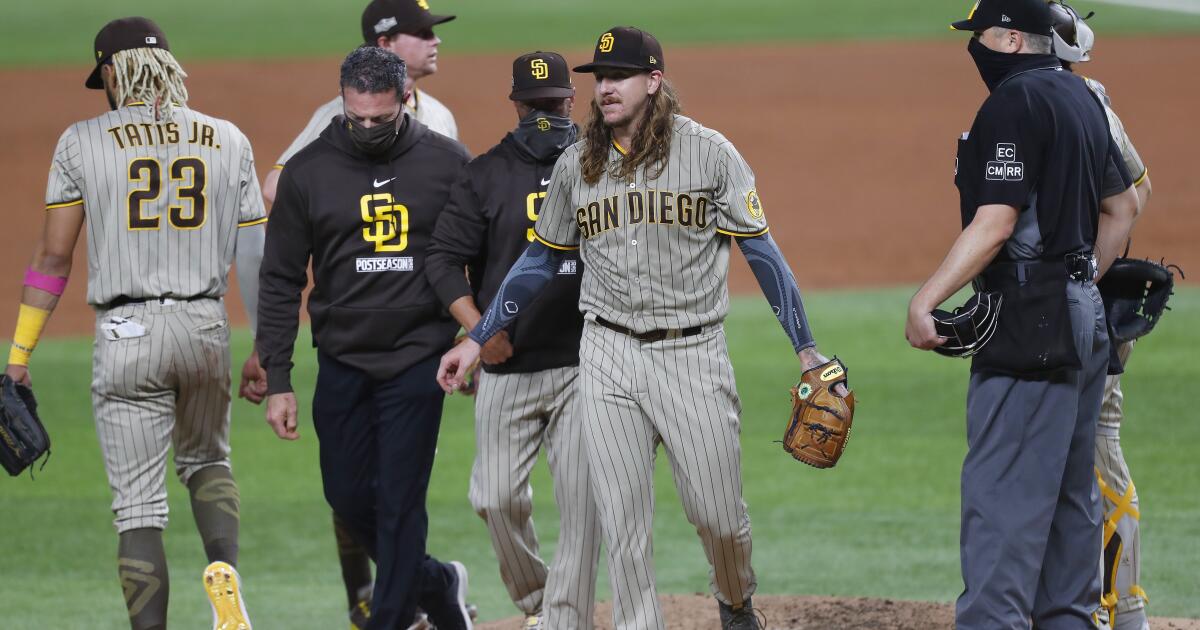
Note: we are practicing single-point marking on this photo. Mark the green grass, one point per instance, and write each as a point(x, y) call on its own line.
point(61, 31)
point(883, 523)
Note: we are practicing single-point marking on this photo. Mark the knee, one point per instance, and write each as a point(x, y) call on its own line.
point(510, 504)
point(722, 531)
point(350, 501)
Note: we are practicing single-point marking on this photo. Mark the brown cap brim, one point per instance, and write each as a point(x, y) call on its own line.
point(592, 67)
point(94, 82)
point(541, 92)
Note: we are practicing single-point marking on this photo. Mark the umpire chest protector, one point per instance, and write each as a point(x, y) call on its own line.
point(1040, 143)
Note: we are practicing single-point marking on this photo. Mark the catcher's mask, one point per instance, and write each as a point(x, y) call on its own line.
point(970, 326)
point(1073, 38)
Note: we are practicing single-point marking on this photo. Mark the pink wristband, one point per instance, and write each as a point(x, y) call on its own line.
point(54, 285)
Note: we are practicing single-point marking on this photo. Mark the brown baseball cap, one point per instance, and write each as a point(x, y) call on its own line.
point(384, 18)
point(540, 75)
point(123, 34)
point(626, 47)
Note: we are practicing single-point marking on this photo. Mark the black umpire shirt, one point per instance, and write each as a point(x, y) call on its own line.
point(1041, 143)
point(487, 225)
point(366, 224)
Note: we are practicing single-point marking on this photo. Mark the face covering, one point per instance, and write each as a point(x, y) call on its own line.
point(993, 65)
point(545, 135)
point(376, 140)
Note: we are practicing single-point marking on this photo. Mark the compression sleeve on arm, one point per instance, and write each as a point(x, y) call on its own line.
point(524, 281)
point(248, 254)
point(779, 286)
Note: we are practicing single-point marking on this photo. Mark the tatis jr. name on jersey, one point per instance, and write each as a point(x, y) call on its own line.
point(662, 207)
point(154, 134)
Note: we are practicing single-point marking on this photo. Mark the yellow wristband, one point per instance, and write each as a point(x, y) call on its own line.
point(31, 320)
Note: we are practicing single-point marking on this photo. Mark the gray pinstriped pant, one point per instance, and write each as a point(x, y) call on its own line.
point(515, 416)
point(680, 393)
point(169, 387)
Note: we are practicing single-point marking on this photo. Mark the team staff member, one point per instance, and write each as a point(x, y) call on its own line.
point(404, 27)
point(526, 396)
point(1046, 203)
point(377, 326)
point(1123, 599)
point(170, 198)
point(653, 201)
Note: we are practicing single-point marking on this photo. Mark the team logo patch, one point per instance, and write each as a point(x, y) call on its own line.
point(1005, 167)
point(424, 4)
point(805, 390)
point(99, 54)
point(540, 69)
point(543, 124)
point(754, 204)
point(606, 43)
point(151, 41)
point(653, 61)
point(832, 373)
point(383, 25)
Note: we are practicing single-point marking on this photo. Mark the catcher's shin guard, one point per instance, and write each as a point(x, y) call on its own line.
point(1121, 551)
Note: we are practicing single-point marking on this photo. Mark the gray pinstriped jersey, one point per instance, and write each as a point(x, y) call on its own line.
point(1133, 161)
point(424, 108)
point(163, 200)
point(656, 252)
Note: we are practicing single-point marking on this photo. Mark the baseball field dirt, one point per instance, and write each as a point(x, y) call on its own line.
point(852, 143)
point(798, 612)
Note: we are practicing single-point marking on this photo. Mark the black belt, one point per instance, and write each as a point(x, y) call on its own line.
point(1079, 267)
point(651, 335)
point(125, 300)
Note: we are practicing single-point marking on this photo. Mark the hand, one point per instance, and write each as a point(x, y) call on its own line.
point(281, 415)
point(811, 358)
point(456, 364)
point(919, 330)
point(254, 380)
point(497, 350)
point(19, 373)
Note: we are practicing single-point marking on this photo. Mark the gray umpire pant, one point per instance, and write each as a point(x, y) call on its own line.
point(515, 416)
point(1031, 518)
point(680, 393)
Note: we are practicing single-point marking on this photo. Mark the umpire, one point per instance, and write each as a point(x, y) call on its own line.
point(1046, 205)
point(361, 203)
point(526, 395)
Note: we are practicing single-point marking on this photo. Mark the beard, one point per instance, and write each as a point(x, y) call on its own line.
point(112, 98)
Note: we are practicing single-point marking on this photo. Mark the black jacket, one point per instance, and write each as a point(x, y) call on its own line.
point(487, 225)
point(365, 223)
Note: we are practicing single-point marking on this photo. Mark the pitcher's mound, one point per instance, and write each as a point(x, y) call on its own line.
point(797, 612)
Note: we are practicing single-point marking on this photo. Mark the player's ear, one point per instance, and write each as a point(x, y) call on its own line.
point(653, 82)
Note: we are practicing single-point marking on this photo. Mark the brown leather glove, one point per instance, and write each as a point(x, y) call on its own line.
point(820, 424)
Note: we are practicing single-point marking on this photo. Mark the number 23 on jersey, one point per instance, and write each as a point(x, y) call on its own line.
point(187, 204)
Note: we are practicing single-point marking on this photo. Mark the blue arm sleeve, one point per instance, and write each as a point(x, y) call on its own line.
point(524, 281)
point(779, 285)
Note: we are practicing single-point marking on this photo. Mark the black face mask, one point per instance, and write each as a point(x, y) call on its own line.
point(545, 135)
point(374, 141)
point(993, 65)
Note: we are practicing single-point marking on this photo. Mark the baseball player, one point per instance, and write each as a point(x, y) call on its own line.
point(1044, 201)
point(1123, 599)
point(526, 396)
point(170, 198)
point(653, 202)
point(404, 27)
point(377, 326)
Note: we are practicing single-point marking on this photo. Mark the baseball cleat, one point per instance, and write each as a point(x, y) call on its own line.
point(533, 622)
point(224, 588)
point(360, 614)
point(744, 617)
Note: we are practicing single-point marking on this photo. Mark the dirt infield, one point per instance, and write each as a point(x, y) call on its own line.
point(853, 144)
point(691, 612)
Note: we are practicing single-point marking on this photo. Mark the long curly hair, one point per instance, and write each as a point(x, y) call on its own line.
point(650, 146)
point(151, 75)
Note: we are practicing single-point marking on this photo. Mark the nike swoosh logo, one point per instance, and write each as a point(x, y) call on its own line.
point(380, 183)
point(545, 182)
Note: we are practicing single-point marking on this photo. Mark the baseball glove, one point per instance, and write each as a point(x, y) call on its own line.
point(23, 439)
point(1135, 295)
point(820, 424)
